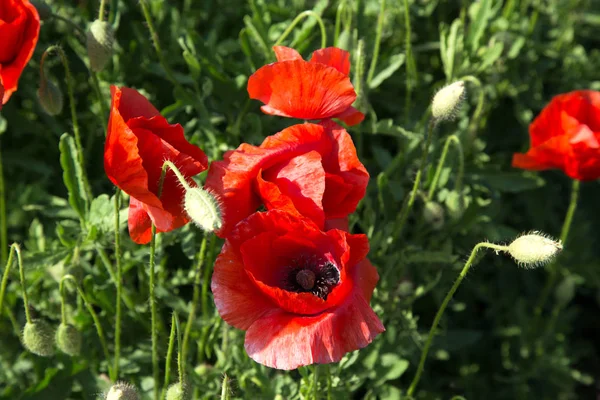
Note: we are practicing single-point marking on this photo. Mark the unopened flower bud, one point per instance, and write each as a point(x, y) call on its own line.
point(433, 214)
point(447, 101)
point(68, 339)
point(177, 391)
point(122, 391)
point(50, 97)
point(43, 9)
point(38, 338)
point(534, 249)
point(203, 208)
point(100, 38)
point(565, 291)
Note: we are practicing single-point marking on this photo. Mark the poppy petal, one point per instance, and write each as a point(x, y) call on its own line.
point(286, 53)
point(139, 222)
point(333, 57)
point(351, 116)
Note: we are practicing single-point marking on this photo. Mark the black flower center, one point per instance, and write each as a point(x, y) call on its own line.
point(312, 275)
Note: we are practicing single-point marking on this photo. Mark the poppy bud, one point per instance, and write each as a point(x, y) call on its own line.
point(534, 249)
point(565, 291)
point(37, 338)
point(122, 391)
point(177, 391)
point(50, 97)
point(447, 101)
point(43, 9)
point(68, 339)
point(433, 214)
point(203, 208)
point(100, 38)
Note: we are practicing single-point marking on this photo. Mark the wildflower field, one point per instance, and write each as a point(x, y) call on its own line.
point(299, 199)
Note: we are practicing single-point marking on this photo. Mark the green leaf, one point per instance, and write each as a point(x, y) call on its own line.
point(395, 62)
point(491, 55)
point(390, 366)
point(73, 176)
point(479, 23)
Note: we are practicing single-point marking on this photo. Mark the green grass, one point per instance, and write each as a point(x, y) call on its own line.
point(514, 55)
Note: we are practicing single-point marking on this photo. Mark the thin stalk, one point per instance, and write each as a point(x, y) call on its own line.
point(101, 11)
point(70, 23)
point(94, 316)
point(9, 263)
point(106, 261)
point(440, 312)
point(407, 206)
point(380, 22)
point(328, 376)
point(225, 395)
point(119, 283)
point(195, 299)
point(180, 361)
point(300, 17)
point(206, 282)
point(13, 321)
point(461, 166)
point(3, 223)
point(23, 288)
point(153, 312)
point(169, 357)
point(410, 66)
point(564, 234)
point(315, 388)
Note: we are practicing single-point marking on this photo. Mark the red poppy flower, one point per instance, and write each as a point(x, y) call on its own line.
point(315, 89)
point(301, 294)
point(138, 141)
point(19, 30)
point(306, 169)
point(566, 135)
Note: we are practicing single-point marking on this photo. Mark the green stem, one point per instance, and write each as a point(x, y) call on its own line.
point(169, 357)
point(3, 223)
point(153, 312)
point(13, 249)
point(119, 283)
point(443, 306)
point(410, 65)
point(206, 282)
point(105, 260)
point(315, 387)
point(69, 79)
point(225, 395)
point(195, 299)
point(94, 316)
point(70, 23)
point(328, 376)
point(461, 166)
point(180, 360)
point(407, 206)
point(380, 22)
point(180, 177)
point(300, 17)
point(23, 288)
point(564, 234)
point(101, 11)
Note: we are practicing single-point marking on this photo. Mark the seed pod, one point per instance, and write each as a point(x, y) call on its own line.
point(38, 338)
point(50, 97)
point(203, 209)
point(177, 391)
point(68, 339)
point(447, 101)
point(534, 249)
point(100, 38)
point(122, 391)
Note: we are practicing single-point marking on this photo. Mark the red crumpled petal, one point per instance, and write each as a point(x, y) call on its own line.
point(301, 89)
point(351, 116)
point(333, 57)
point(19, 30)
point(286, 53)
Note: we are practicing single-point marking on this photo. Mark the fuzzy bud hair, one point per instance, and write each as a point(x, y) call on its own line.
point(447, 101)
point(534, 249)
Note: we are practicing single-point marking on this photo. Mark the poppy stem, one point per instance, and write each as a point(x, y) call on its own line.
point(300, 17)
point(153, 310)
point(380, 21)
point(195, 300)
point(180, 177)
point(408, 204)
point(342, 7)
point(440, 312)
point(13, 249)
point(411, 70)
point(169, 357)
point(94, 316)
point(101, 11)
point(461, 167)
point(22, 277)
point(564, 234)
point(118, 282)
point(3, 223)
point(472, 129)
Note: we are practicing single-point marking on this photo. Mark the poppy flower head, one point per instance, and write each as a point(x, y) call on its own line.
point(19, 30)
point(300, 293)
point(306, 169)
point(566, 135)
point(138, 141)
point(311, 90)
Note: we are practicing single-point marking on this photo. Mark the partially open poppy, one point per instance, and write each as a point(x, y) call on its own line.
point(301, 294)
point(138, 141)
point(315, 89)
point(306, 169)
point(566, 135)
point(19, 30)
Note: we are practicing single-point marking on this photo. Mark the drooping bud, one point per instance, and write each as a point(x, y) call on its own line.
point(38, 338)
point(122, 391)
point(100, 38)
point(68, 339)
point(50, 97)
point(534, 249)
point(203, 209)
point(447, 101)
point(43, 9)
point(177, 391)
point(565, 291)
point(434, 215)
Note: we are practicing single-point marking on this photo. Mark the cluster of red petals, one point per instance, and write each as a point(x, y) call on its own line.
point(566, 135)
point(255, 289)
point(19, 31)
point(307, 169)
point(138, 142)
point(311, 90)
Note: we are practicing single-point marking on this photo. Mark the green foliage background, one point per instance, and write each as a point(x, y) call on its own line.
point(515, 55)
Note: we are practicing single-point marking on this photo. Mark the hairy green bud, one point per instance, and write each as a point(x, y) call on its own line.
point(38, 338)
point(203, 209)
point(50, 97)
point(534, 249)
point(68, 339)
point(447, 101)
point(177, 391)
point(100, 39)
point(122, 391)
